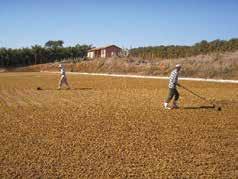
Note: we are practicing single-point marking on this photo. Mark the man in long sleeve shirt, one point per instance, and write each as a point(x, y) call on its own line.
point(173, 92)
point(63, 78)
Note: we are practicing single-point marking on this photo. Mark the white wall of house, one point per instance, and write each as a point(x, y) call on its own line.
point(103, 53)
point(90, 55)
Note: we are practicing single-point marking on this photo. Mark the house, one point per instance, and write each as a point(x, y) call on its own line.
point(104, 52)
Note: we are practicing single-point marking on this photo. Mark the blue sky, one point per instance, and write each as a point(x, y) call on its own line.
point(128, 23)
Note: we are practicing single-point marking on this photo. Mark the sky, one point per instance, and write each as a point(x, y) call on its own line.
point(127, 23)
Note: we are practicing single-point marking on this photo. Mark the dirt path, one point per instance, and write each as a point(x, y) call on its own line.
point(150, 77)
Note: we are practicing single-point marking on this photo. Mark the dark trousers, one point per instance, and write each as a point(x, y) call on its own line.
point(173, 92)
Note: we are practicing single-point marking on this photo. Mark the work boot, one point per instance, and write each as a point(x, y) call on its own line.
point(166, 106)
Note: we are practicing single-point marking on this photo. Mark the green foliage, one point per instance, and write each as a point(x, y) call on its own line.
point(37, 54)
point(54, 44)
point(167, 52)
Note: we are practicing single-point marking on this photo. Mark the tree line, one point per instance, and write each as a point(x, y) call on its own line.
point(172, 51)
point(50, 52)
point(55, 51)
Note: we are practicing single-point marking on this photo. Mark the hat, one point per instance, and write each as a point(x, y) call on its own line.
point(178, 66)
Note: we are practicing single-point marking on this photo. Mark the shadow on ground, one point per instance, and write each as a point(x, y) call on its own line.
point(39, 89)
point(198, 107)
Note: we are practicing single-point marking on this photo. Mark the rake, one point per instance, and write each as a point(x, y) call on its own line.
point(203, 98)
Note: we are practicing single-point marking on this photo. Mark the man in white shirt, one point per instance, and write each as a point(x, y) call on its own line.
point(63, 78)
point(173, 92)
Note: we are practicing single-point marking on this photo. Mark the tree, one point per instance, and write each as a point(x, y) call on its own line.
point(172, 51)
point(54, 44)
point(37, 52)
